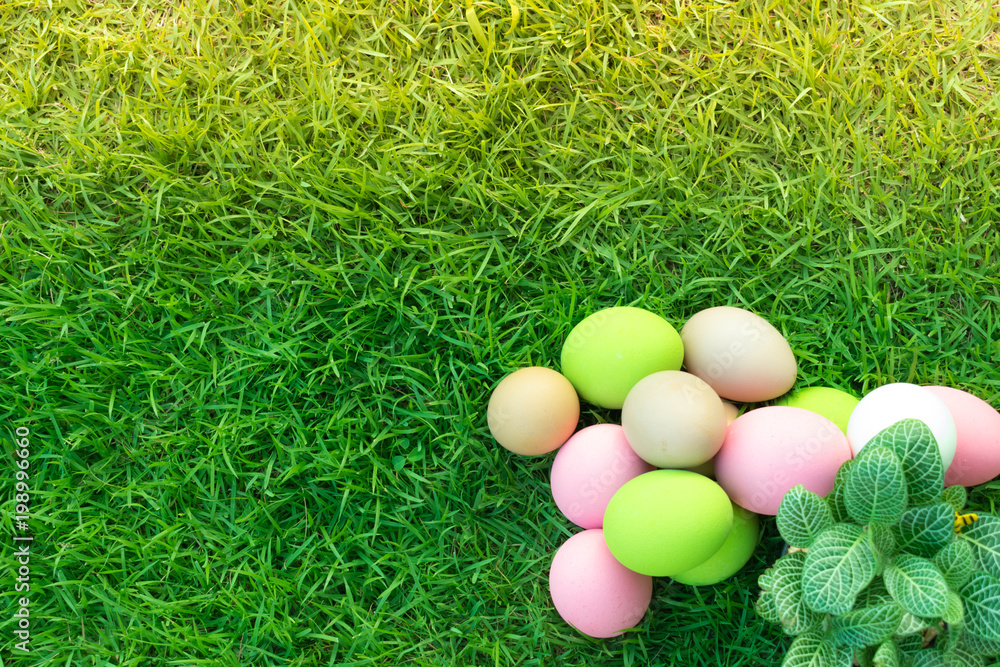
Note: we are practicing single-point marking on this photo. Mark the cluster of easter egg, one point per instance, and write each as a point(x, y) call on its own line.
point(674, 490)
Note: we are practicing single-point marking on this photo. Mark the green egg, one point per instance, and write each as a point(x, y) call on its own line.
point(731, 557)
point(608, 352)
point(665, 522)
point(834, 404)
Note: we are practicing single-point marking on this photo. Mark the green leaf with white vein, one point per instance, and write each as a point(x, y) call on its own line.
point(911, 624)
point(868, 626)
point(912, 441)
point(929, 658)
point(956, 562)
point(835, 499)
point(984, 538)
point(873, 594)
point(954, 612)
point(956, 496)
point(802, 515)
point(766, 607)
point(786, 585)
point(887, 655)
point(923, 531)
point(813, 650)
point(875, 489)
point(917, 586)
point(981, 597)
point(839, 565)
point(981, 646)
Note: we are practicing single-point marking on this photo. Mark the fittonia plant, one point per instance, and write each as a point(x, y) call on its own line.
point(884, 564)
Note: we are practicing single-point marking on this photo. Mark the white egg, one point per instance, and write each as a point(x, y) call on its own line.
point(891, 403)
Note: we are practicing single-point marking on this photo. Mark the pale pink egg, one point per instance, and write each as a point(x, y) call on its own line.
point(769, 450)
point(593, 464)
point(977, 448)
point(592, 591)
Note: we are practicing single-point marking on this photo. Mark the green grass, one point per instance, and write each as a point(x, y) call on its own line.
point(264, 263)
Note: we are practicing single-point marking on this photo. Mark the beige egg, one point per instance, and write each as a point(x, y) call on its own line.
point(533, 411)
point(739, 354)
point(673, 420)
point(732, 412)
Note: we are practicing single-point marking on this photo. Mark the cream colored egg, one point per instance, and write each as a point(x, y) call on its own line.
point(739, 354)
point(533, 411)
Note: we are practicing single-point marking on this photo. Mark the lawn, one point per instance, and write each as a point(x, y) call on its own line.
point(263, 264)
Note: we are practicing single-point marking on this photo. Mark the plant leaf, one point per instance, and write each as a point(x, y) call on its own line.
point(767, 608)
point(793, 614)
point(917, 586)
point(961, 656)
point(923, 531)
point(809, 650)
point(835, 499)
point(928, 658)
point(954, 611)
point(873, 594)
point(875, 489)
point(956, 496)
point(887, 655)
point(955, 562)
point(910, 624)
point(980, 646)
point(839, 564)
point(912, 441)
point(802, 515)
point(981, 596)
point(984, 537)
point(868, 626)
point(909, 645)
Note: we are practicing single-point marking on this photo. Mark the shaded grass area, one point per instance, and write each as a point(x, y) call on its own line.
point(265, 263)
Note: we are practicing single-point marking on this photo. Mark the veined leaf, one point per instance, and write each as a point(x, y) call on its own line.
point(956, 496)
point(923, 531)
point(956, 562)
point(909, 645)
point(868, 626)
point(912, 441)
point(875, 489)
point(917, 586)
point(961, 656)
point(954, 611)
point(813, 650)
point(873, 594)
point(911, 624)
point(767, 608)
point(839, 564)
point(980, 646)
point(883, 543)
point(795, 617)
point(835, 499)
point(887, 655)
point(802, 515)
point(984, 537)
point(929, 657)
point(981, 596)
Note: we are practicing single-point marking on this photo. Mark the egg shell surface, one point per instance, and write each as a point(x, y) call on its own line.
point(592, 591)
point(834, 404)
point(608, 352)
point(533, 411)
point(888, 404)
point(739, 354)
point(667, 521)
point(673, 419)
point(977, 437)
point(731, 557)
point(769, 450)
point(708, 467)
point(587, 471)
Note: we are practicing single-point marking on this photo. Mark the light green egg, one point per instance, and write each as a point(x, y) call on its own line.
point(834, 404)
point(608, 352)
point(665, 522)
point(731, 557)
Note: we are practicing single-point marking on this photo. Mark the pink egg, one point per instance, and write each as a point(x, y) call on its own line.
point(592, 591)
point(769, 450)
point(593, 464)
point(977, 448)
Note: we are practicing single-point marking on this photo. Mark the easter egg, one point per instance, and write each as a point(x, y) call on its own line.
point(608, 352)
point(533, 411)
point(883, 407)
point(739, 354)
point(592, 591)
point(732, 412)
point(731, 557)
point(674, 420)
point(769, 450)
point(834, 404)
point(977, 437)
point(666, 522)
point(589, 469)
point(708, 467)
